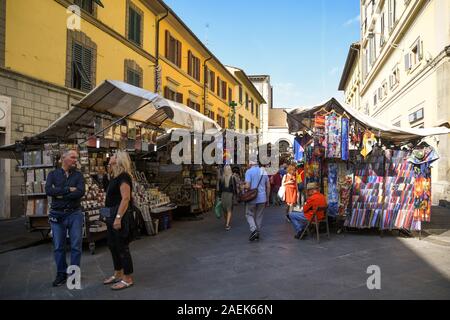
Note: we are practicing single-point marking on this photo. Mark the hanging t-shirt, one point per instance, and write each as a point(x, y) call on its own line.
point(369, 141)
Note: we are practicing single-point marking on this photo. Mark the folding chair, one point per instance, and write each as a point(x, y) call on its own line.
point(315, 222)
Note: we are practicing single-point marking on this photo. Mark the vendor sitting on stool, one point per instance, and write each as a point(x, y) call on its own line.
point(315, 199)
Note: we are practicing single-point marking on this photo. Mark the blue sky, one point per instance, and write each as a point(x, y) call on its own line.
point(301, 44)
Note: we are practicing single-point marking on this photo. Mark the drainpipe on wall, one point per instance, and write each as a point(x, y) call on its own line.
point(157, 48)
point(205, 85)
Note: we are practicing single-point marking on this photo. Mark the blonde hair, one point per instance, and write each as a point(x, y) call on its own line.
point(123, 164)
point(227, 173)
point(292, 170)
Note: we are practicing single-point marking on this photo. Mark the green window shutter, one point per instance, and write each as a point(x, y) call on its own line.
point(86, 84)
point(137, 29)
point(133, 78)
point(131, 23)
point(81, 68)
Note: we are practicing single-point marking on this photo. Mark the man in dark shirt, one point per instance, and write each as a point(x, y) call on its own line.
point(66, 187)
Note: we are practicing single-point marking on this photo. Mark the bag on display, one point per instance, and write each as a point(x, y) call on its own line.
point(218, 209)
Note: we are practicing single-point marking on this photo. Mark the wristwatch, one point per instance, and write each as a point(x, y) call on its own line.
point(118, 216)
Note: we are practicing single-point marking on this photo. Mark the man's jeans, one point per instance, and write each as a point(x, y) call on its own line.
point(74, 223)
point(298, 220)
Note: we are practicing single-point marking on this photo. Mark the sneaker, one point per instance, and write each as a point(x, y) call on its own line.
point(257, 236)
point(61, 279)
point(227, 228)
point(253, 236)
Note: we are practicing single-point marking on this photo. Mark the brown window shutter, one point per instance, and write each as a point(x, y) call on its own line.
point(166, 92)
point(218, 86)
point(205, 73)
point(198, 68)
point(179, 53)
point(189, 63)
point(225, 88)
point(167, 43)
point(180, 97)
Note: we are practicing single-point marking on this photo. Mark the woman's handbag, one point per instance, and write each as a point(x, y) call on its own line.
point(251, 194)
point(282, 193)
point(130, 224)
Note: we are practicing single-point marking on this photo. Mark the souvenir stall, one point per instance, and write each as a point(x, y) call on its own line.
point(192, 187)
point(113, 116)
point(374, 176)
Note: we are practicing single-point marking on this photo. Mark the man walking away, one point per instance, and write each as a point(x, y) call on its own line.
point(256, 178)
point(66, 187)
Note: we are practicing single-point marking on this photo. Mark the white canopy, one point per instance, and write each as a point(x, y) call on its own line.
point(122, 99)
point(303, 119)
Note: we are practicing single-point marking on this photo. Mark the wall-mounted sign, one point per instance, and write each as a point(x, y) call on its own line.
point(5, 108)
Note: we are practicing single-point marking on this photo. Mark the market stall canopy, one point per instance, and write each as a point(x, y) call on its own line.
point(302, 119)
point(124, 100)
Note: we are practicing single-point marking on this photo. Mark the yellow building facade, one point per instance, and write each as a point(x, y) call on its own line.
point(190, 73)
point(40, 44)
point(53, 52)
point(248, 103)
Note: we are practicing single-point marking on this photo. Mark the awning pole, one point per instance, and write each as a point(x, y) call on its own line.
point(117, 121)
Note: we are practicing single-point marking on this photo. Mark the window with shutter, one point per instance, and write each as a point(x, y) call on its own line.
point(134, 24)
point(246, 100)
point(219, 86)
point(230, 95)
point(178, 63)
point(224, 90)
point(173, 50)
point(133, 78)
point(167, 55)
point(86, 5)
point(240, 94)
point(190, 63)
point(252, 106)
point(193, 66)
point(81, 68)
point(179, 97)
point(407, 62)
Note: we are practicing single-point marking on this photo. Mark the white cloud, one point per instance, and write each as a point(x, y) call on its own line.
point(354, 20)
point(334, 71)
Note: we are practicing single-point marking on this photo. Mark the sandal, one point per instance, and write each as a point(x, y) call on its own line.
point(121, 285)
point(111, 280)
